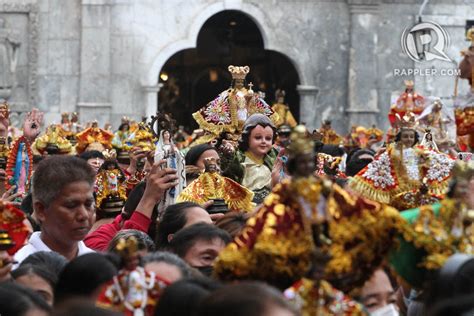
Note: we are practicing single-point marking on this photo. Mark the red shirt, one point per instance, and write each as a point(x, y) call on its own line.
point(100, 238)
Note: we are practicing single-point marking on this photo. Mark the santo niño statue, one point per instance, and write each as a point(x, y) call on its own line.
point(228, 112)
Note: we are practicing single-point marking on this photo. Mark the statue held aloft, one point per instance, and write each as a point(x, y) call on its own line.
point(285, 117)
point(228, 112)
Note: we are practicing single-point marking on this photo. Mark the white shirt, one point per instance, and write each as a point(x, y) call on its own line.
point(35, 244)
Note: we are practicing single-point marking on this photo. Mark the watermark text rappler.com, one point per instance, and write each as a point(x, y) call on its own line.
point(426, 72)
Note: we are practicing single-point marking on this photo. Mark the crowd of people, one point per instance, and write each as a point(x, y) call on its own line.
point(251, 214)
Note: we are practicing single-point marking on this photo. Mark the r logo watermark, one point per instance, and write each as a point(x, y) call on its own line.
point(425, 41)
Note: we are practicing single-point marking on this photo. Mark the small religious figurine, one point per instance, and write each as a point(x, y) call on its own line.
point(403, 170)
point(464, 106)
point(4, 126)
point(252, 164)
point(167, 150)
point(12, 223)
point(94, 138)
point(228, 112)
point(430, 234)
point(329, 135)
point(408, 102)
point(110, 187)
point(283, 110)
point(141, 136)
point(428, 142)
point(134, 291)
point(119, 142)
point(19, 166)
point(210, 185)
point(52, 142)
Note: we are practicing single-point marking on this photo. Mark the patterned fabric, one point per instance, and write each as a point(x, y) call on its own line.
point(321, 299)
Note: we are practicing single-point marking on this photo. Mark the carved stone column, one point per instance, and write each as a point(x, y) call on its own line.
point(152, 99)
point(363, 95)
point(94, 92)
point(308, 107)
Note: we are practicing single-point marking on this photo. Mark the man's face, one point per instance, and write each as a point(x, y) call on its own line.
point(95, 163)
point(204, 252)
point(377, 292)
point(70, 216)
point(210, 153)
point(260, 140)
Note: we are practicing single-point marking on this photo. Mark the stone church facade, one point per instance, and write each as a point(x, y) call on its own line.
point(102, 58)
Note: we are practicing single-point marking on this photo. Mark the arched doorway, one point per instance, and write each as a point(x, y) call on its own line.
point(193, 77)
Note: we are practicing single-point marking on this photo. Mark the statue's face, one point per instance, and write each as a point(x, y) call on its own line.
point(305, 165)
point(166, 136)
point(407, 137)
point(260, 140)
point(239, 83)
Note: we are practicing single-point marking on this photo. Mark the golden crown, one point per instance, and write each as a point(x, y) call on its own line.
point(109, 154)
point(65, 115)
point(408, 121)
point(409, 83)
point(125, 120)
point(238, 72)
point(301, 142)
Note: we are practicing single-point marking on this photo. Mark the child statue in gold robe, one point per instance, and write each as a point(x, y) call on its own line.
point(228, 112)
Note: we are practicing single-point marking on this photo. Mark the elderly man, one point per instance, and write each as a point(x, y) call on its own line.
point(64, 205)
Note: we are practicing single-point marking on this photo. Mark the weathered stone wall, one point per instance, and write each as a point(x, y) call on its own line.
point(103, 57)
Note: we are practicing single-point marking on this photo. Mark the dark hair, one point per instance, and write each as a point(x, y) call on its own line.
point(253, 121)
point(192, 156)
point(40, 271)
point(144, 241)
point(90, 154)
point(82, 307)
point(83, 275)
point(27, 204)
point(184, 296)
point(133, 200)
point(233, 222)
point(131, 204)
point(56, 172)
point(243, 299)
point(333, 150)
point(174, 218)
point(169, 258)
point(398, 137)
point(50, 260)
point(454, 281)
point(184, 239)
point(354, 164)
point(18, 300)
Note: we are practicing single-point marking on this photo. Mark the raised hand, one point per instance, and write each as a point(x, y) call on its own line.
point(158, 181)
point(32, 124)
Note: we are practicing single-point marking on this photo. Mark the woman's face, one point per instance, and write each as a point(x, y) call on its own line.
point(377, 292)
point(39, 285)
point(407, 137)
point(95, 163)
point(166, 136)
point(260, 141)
